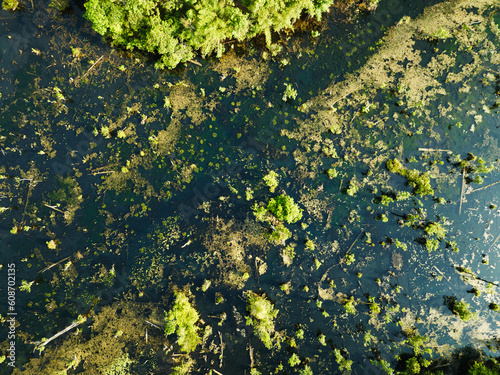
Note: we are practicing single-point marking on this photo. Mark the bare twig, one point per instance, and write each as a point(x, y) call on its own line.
point(75, 324)
point(154, 325)
point(195, 62)
point(54, 264)
point(257, 271)
point(444, 277)
point(250, 353)
point(92, 67)
point(357, 238)
point(27, 200)
point(221, 349)
point(104, 172)
point(54, 208)
point(434, 150)
point(484, 187)
point(494, 242)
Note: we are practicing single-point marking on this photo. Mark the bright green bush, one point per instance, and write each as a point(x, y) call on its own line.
point(182, 319)
point(280, 234)
point(285, 209)
point(178, 30)
point(462, 310)
point(421, 182)
point(262, 315)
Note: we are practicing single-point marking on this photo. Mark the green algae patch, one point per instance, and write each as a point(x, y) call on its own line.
point(421, 182)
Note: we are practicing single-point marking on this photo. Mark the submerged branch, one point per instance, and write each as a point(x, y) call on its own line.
point(434, 150)
point(462, 192)
point(484, 187)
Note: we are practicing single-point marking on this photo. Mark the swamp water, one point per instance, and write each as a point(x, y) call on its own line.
point(121, 185)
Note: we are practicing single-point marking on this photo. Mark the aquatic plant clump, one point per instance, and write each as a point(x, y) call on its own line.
point(419, 181)
point(285, 209)
point(262, 315)
point(462, 310)
point(271, 180)
point(181, 320)
point(178, 30)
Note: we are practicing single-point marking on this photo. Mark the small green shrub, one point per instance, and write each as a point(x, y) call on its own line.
point(349, 259)
point(349, 305)
point(11, 5)
point(344, 364)
point(332, 173)
point(306, 370)
point(279, 234)
point(294, 360)
point(435, 229)
point(431, 244)
point(479, 368)
point(310, 245)
point(260, 212)
point(271, 180)
point(285, 209)
point(290, 92)
point(462, 310)
point(181, 320)
point(262, 315)
point(421, 182)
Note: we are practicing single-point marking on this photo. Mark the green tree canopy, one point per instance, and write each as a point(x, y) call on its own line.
point(182, 319)
point(178, 29)
point(285, 209)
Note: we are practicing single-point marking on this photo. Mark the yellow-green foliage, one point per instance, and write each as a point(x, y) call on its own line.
point(10, 5)
point(462, 310)
point(344, 364)
point(262, 315)
point(285, 209)
point(177, 30)
point(271, 180)
point(421, 182)
point(280, 234)
point(182, 319)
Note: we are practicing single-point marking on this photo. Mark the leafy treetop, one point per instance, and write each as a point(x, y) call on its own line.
point(182, 319)
point(177, 30)
point(285, 209)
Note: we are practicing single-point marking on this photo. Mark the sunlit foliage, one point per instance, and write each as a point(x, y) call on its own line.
point(178, 30)
point(182, 319)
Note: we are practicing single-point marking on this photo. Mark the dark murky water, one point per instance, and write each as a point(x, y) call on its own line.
point(121, 184)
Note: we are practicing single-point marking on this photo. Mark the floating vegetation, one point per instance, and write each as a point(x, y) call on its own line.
point(420, 181)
